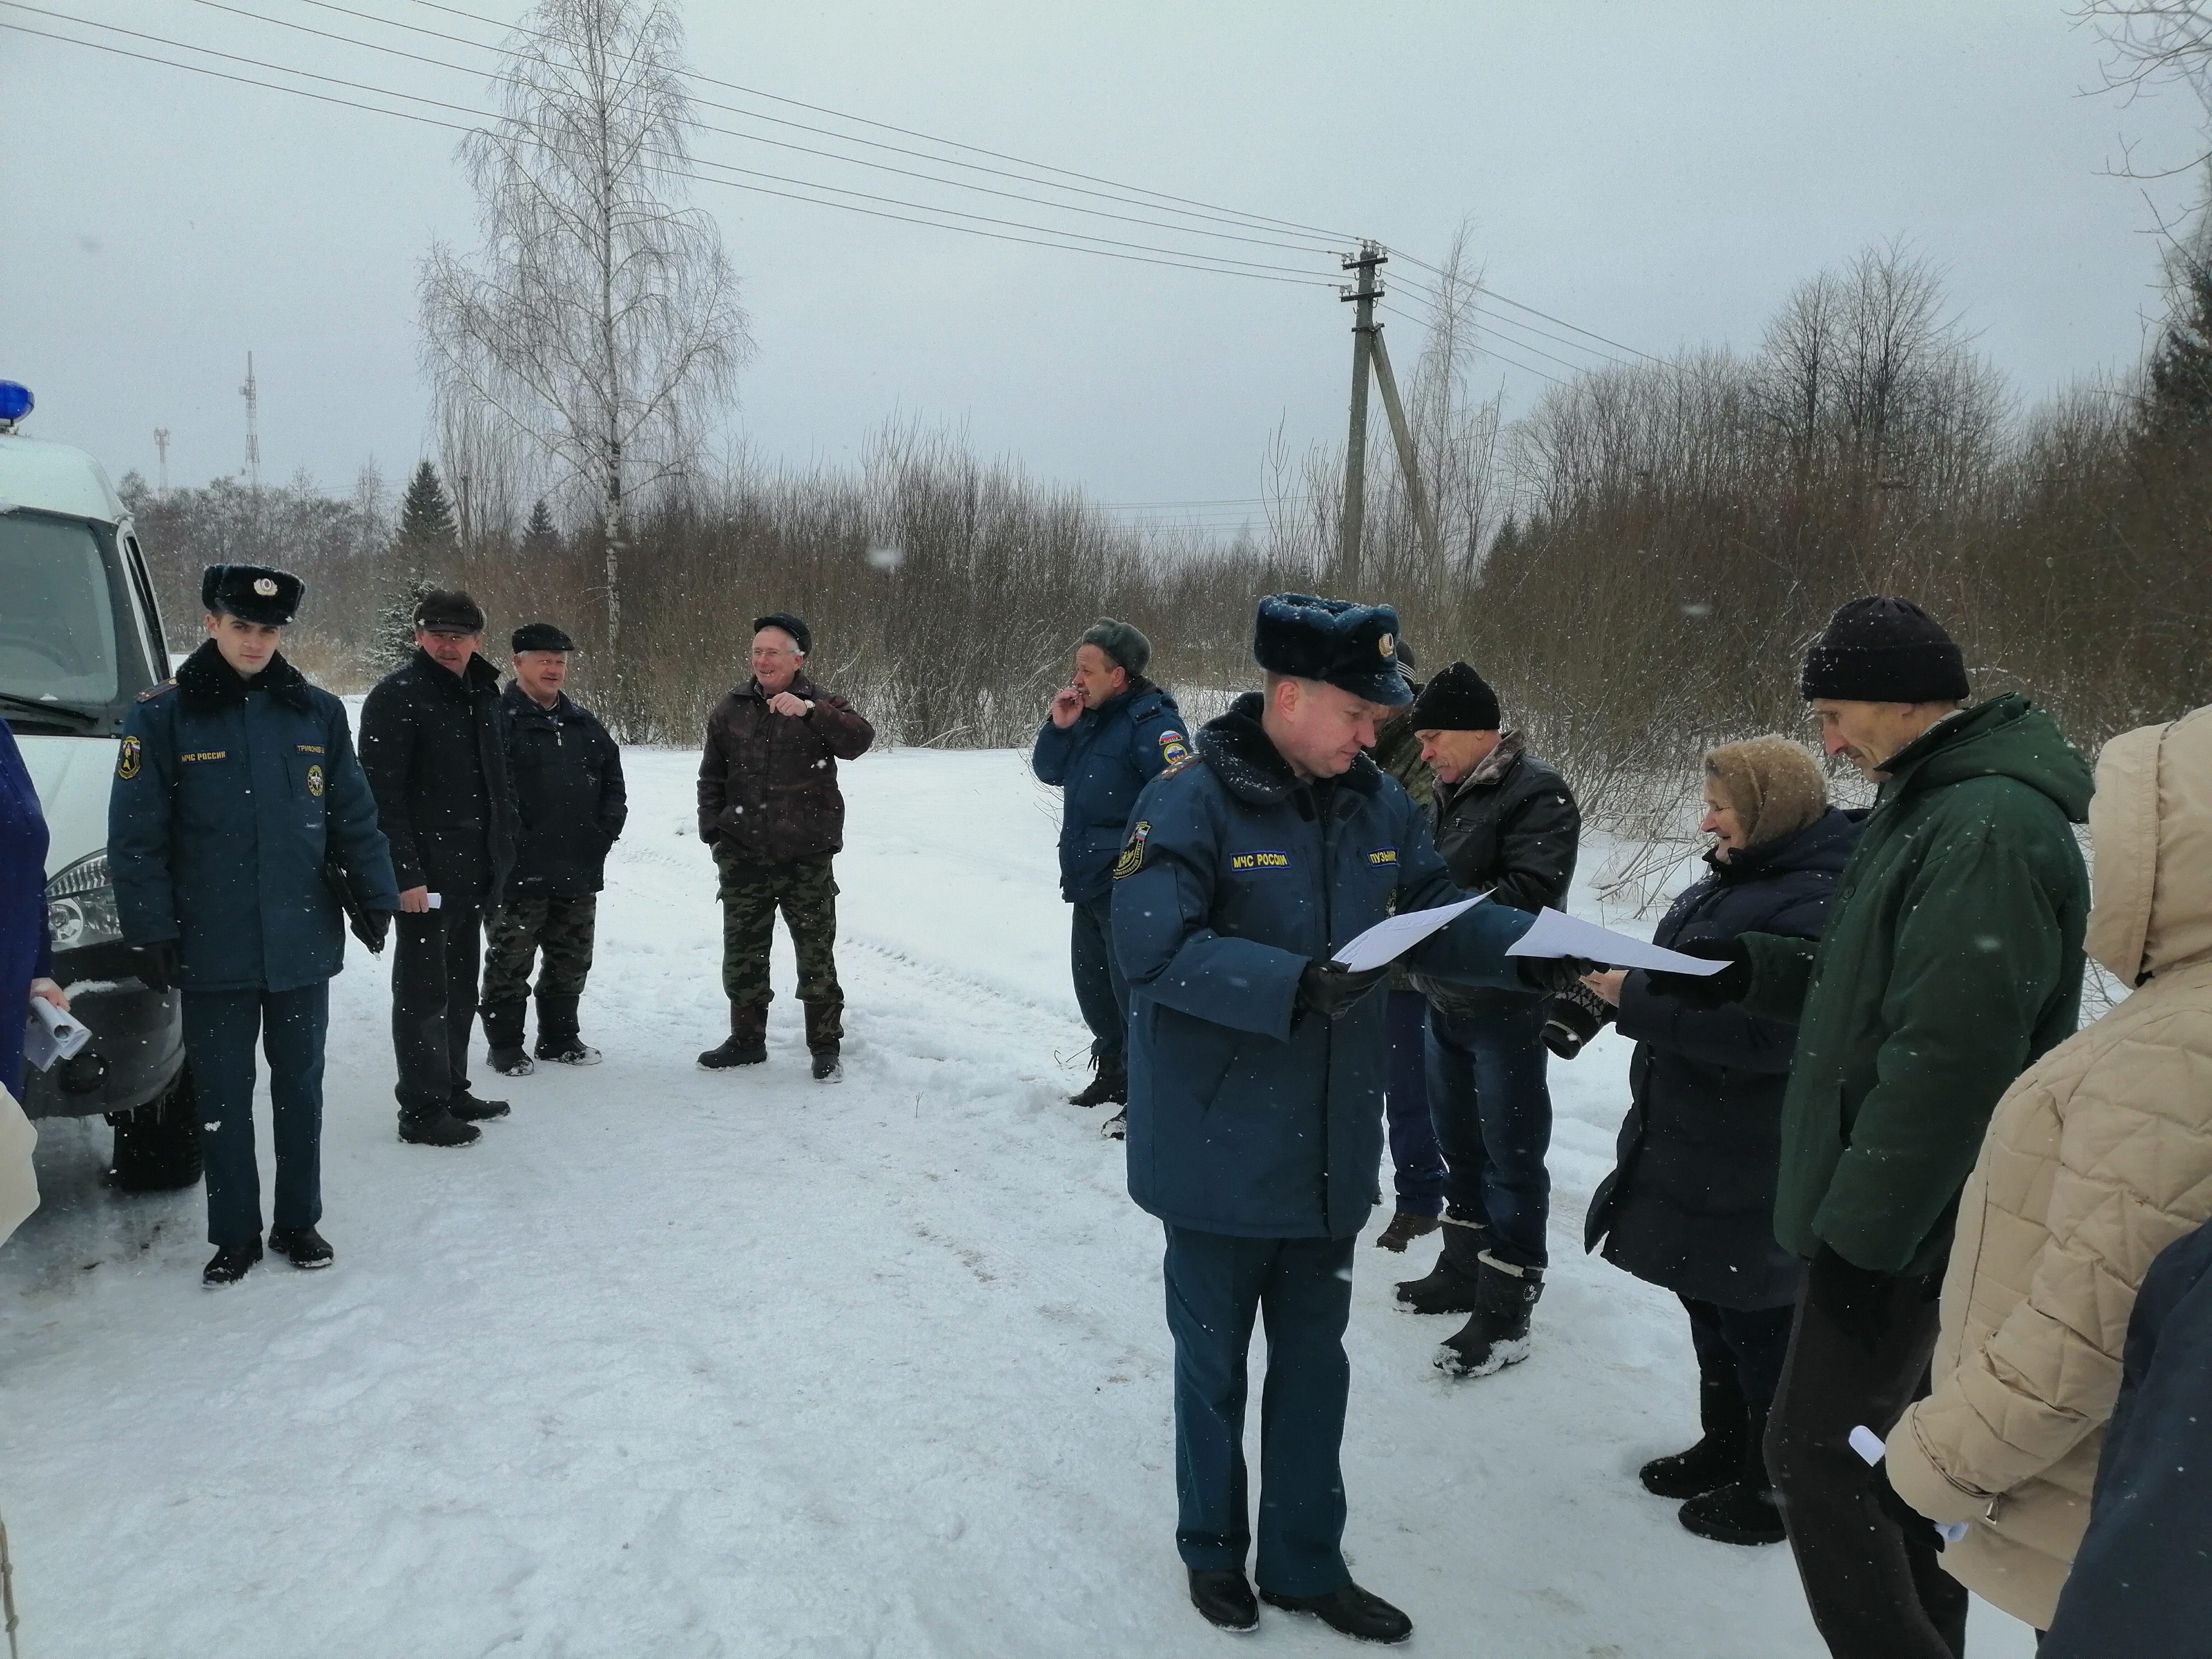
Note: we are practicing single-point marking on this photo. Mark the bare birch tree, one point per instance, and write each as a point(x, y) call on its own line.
point(599, 319)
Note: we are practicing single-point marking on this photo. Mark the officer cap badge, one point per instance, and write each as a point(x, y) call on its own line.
point(266, 587)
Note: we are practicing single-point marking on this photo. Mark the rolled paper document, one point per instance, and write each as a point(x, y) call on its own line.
point(51, 1034)
point(1867, 1444)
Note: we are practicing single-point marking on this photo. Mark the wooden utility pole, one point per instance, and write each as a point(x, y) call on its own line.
point(1416, 495)
point(1365, 294)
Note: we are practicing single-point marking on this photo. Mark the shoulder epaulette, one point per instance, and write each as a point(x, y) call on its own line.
point(153, 691)
point(1194, 758)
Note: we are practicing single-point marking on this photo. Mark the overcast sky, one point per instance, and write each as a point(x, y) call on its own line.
point(1659, 174)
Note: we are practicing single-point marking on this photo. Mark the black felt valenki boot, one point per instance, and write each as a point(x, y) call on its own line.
point(1744, 1511)
point(1718, 1456)
point(1449, 1285)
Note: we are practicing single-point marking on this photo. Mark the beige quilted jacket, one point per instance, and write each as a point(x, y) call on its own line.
point(2097, 1158)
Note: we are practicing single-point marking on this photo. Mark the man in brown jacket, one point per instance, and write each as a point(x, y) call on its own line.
point(2097, 1158)
point(770, 807)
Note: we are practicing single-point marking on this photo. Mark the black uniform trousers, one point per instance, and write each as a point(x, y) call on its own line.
point(1100, 992)
point(1216, 1285)
point(434, 1004)
point(220, 1029)
point(1877, 1590)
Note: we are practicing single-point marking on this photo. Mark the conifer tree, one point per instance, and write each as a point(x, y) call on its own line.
point(540, 539)
point(2178, 403)
point(426, 518)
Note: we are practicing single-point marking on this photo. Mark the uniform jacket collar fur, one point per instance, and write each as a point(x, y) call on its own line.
point(1253, 769)
point(208, 684)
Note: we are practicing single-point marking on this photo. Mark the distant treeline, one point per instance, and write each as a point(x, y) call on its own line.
point(1639, 563)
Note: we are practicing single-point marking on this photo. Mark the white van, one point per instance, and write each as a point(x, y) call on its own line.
point(79, 638)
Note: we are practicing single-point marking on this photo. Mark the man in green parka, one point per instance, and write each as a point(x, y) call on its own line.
point(1951, 961)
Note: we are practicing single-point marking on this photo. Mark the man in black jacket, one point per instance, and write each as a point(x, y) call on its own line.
point(568, 786)
point(1507, 826)
point(433, 743)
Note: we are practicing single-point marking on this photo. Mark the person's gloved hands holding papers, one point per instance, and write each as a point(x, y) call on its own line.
point(1330, 989)
point(1706, 991)
point(1555, 974)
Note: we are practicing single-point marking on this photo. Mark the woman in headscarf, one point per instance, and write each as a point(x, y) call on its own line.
point(1690, 1205)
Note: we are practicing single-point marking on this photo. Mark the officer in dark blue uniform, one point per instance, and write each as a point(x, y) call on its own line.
point(1256, 1076)
point(237, 815)
point(1110, 733)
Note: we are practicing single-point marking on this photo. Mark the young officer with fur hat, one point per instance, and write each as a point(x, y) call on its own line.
point(1256, 1070)
point(569, 791)
point(236, 789)
point(1951, 960)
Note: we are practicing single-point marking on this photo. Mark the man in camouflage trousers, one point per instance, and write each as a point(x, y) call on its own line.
point(770, 808)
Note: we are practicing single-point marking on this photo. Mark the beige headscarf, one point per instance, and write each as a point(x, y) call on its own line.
point(1774, 785)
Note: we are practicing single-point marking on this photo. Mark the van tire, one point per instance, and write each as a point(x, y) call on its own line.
point(157, 1147)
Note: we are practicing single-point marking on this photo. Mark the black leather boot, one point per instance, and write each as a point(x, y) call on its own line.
point(1350, 1611)
point(1226, 1599)
point(502, 1027)
point(825, 1029)
point(1110, 1087)
point(1449, 1285)
point(746, 1045)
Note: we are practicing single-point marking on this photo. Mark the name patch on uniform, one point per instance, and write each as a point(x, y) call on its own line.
point(1133, 851)
point(1173, 749)
point(127, 763)
point(1259, 860)
point(206, 754)
point(1383, 855)
point(314, 779)
point(309, 748)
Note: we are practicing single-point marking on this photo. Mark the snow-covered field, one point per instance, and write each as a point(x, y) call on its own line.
point(676, 1363)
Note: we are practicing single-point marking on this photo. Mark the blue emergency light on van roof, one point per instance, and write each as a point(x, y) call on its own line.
point(15, 400)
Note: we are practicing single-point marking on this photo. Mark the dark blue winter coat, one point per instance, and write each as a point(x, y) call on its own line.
point(1690, 1206)
point(1247, 1116)
point(2142, 1583)
point(230, 795)
point(26, 951)
point(1100, 762)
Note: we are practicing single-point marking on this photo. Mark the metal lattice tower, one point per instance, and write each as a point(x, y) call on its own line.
point(252, 428)
point(161, 448)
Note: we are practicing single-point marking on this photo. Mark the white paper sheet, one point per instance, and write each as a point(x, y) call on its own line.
point(1392, 937)
point(51, 1034)
point(1556, 934)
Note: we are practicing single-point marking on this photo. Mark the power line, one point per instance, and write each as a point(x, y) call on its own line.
point(1183, 259)
point(749, 137)
point(1517, 306)
point(1486, 350)
point(949, 143)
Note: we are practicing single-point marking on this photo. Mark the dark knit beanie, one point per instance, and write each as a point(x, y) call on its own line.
point(1457, 700)
point(1879, 649)
point(1122, 642)
point(801, 635)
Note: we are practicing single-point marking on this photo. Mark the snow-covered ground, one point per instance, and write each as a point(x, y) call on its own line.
point(679, 1364)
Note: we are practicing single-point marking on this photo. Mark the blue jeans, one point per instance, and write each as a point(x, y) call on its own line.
point(1414, 1154)
point(220, 1027)
point(1100, 990)
point(1493, 1116)
point(1216, 1285)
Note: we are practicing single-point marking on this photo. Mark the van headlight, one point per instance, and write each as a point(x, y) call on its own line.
point(80, 905)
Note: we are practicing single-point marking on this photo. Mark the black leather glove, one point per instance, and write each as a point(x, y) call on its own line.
point(157, 963)
point(1554, 973)
point(1854, 1299)
point(371, 929)
point(1706, 991)
point(1328, 988)
point(1886, 1499)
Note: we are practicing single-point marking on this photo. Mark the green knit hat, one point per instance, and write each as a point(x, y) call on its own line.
point(1122, 642)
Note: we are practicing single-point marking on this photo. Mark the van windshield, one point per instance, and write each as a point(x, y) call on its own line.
point(57, 633)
